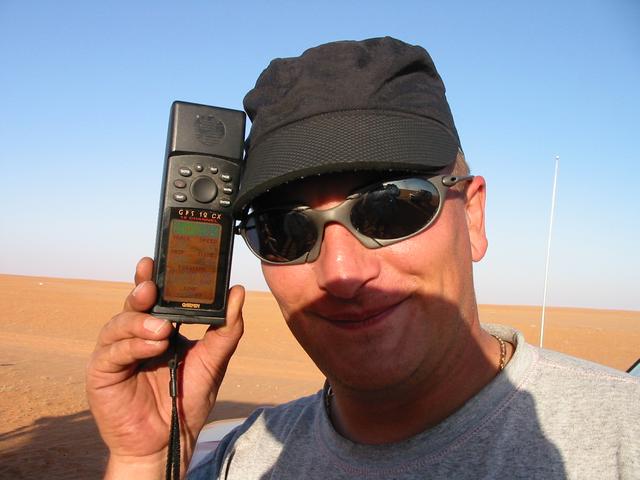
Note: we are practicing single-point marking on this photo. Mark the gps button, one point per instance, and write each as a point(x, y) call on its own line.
point(204, 189)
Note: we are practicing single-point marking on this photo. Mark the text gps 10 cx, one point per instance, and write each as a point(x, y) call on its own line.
point(194, 238)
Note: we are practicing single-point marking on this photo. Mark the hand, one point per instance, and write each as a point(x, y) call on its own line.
point(128, 380)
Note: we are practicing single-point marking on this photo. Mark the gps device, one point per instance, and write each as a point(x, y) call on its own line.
point(194, 237)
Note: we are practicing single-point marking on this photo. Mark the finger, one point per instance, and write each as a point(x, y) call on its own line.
point(144, 270)
point(134, 325)
point(141, 298)
point(123, 355)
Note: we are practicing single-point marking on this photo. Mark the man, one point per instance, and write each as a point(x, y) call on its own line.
point(356, 198)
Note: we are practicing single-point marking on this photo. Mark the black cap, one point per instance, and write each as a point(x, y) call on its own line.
point(376, 104)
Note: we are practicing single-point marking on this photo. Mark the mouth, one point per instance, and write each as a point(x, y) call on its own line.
point(354, 319)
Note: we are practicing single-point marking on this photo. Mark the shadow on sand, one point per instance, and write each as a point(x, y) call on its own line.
point(70, 447)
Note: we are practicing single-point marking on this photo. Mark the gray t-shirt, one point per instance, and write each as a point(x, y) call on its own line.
point(546, 416)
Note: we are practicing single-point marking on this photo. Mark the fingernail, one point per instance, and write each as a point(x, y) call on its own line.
point(154, 324)
point(152, 342)
point(137, 289)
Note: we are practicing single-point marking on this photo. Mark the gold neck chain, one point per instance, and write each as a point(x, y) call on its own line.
point(503, 352)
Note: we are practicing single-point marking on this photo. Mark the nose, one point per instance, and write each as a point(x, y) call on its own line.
point(344, 265)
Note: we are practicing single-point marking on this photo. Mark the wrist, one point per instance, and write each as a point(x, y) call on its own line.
point(125, 467)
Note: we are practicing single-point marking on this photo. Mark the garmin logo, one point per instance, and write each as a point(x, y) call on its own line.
point(209, 129)
point(190, 305)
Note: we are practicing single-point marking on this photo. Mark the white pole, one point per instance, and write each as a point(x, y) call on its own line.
point(546, 268)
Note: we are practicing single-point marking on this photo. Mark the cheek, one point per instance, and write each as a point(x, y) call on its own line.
point(285, 283)
point(439, 258)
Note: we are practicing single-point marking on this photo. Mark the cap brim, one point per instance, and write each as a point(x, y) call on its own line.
point(345, 141)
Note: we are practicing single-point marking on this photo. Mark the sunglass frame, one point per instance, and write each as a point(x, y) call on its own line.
point(341, 214)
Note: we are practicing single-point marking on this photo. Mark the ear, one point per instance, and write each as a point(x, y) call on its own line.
point(474, 210)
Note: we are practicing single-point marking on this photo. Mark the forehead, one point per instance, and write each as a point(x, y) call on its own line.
point(319, 188)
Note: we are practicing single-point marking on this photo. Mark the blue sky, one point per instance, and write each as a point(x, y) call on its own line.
point(86, 89)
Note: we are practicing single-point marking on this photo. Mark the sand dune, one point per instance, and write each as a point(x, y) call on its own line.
point(48, 328)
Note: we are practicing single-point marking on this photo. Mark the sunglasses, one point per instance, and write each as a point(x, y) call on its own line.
point(378, 215)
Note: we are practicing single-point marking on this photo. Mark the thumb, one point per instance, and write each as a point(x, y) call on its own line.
point(221, 341)
point(234, 324)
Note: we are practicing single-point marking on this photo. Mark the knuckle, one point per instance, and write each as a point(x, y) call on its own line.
point(120, 353)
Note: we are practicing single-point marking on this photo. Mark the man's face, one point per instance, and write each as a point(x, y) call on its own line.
point(377, 318)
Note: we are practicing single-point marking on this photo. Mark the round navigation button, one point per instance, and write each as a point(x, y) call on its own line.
point(204, 189)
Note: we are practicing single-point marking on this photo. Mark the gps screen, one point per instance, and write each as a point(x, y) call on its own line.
point(192, 261)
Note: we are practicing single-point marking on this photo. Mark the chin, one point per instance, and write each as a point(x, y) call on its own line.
point(374, 376)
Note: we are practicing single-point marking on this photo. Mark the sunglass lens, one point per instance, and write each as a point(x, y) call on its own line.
point(395, 209)
point(280, 235)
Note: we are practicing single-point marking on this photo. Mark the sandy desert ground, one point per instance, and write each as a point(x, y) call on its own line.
point(48, 327)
